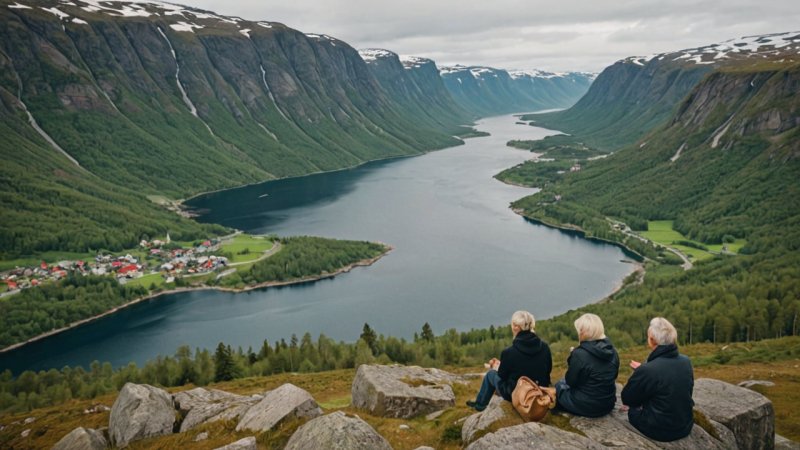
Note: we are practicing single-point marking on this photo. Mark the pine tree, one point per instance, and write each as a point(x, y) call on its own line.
point(427, 332)
point(369, 336)
point(224, 363)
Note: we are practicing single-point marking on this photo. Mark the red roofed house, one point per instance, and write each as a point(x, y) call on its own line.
point(43, 265)
point(128, 269)
point(116, 264)
point(11, 285)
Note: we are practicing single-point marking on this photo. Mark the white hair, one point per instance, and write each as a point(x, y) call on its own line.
point(590, 327)
point(662, 332)
point(524, 320)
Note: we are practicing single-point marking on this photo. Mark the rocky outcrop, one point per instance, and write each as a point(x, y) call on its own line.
point(402, 392)
point(615, 431)
point(727, 417)
point(534, 436)
point(82, 439)
point(748, 414)
point(287, 401)
point(201, 406)
point(337, 431)
point(248, 443)
point(498, 411)
point(140, 411)
point(781, 443)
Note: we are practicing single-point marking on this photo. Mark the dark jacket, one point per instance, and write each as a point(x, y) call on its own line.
point(528, 356)
point(659, 394)
point(591, 375)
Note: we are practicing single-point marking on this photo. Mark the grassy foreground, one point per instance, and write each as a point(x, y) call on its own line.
point(773, 360)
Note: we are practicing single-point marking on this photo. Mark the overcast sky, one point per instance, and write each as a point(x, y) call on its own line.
point(556, 35)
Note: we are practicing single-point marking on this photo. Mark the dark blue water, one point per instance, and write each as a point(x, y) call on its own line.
point(463, 259)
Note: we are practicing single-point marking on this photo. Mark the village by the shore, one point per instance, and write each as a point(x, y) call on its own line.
point(162, 257)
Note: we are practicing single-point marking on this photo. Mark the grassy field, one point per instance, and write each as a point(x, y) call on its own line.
point(147, 280)
point(244, 247)
point(772, 360)
point(661, 232)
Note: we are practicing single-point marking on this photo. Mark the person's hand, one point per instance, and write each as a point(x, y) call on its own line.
point(624, 408)
point(635, 364)
point(494, 363)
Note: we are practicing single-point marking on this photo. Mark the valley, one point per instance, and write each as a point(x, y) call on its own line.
point(176, 181)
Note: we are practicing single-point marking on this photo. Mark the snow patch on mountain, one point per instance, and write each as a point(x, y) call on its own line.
point(413, 62)
point(372, 54)
point(748, 46)
point(185, 27)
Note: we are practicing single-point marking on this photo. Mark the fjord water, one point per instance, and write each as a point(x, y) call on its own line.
point(462, 259)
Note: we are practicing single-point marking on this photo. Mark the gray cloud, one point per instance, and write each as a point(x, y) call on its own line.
point(568, 35)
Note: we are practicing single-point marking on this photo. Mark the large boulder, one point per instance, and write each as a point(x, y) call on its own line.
point(614, 430)
point(337, 431)
point(285, 402)
point(248, 443)
point(82, 439)
point(748, 414)
point(201, 406)
point(534, 436)
point(402, 392)
point(140, 411)
point(498, 412)
point(781, 443)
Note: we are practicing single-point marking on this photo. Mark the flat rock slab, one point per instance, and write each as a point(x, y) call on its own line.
point(82, 439)
point(748, 414)
point(534, 436)
point(337, 431)
point(498, 410)
point(286, 402)
point(201, 406)
point(781, 443)
point(248, 443)
point(401, 391)
point(140, 411)
point(614, 430)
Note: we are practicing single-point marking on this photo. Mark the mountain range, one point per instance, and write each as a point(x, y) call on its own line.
point(109, 105)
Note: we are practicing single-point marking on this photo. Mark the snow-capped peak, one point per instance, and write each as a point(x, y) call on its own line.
point(372, 54)
point(762, 45)
point(413, 62)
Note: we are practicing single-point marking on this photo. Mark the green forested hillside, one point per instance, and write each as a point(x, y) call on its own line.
point(726, 165)
point(146, 105)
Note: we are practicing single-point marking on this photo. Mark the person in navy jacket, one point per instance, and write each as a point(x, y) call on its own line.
point(528, 355)
point(589, 386)
point(659, 392)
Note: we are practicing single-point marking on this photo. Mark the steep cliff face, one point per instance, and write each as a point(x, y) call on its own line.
point(203, 92)
point(634, 95)
point(414, 84)
point(726, 163)
point(154, 98)
point(490, 91)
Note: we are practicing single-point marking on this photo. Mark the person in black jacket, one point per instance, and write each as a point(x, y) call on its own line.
point(589, 389)
point(659, 392)
point(528, 355)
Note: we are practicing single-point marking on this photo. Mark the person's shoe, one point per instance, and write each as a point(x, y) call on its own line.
point(475, 406)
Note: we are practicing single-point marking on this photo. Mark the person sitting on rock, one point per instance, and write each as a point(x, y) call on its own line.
point(659, 392)
point(588, 388)
point(528, 355)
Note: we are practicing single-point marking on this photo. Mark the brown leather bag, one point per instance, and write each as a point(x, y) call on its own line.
point(531, 401)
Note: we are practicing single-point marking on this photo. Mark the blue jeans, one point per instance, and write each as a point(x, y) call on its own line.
point(489, 385)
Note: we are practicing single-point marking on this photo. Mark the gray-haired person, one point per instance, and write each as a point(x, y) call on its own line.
point(659, 392)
